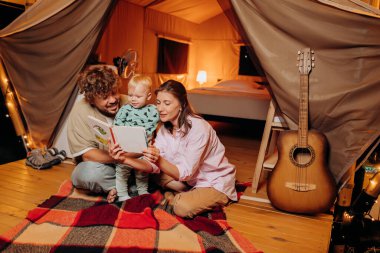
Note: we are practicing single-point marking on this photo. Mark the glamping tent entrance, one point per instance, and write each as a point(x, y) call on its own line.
point(44, 50)
point(344, 86)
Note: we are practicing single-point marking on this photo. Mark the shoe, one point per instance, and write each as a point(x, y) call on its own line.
point(61, 155)
point(37, 160)
point(44, 158)
point(53, 151)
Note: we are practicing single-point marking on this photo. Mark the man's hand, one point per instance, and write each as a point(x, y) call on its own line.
point(116, 152)
point(129, 159)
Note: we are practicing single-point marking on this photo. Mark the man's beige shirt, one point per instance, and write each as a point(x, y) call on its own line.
point(79, 134)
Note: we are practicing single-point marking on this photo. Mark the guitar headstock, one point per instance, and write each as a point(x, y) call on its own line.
point(305, 61)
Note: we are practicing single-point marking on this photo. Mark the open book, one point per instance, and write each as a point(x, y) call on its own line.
point(130, 138)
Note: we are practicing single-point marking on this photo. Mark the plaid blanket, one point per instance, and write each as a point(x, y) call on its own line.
point(72, 221)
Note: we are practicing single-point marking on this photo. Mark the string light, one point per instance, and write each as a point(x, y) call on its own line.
point(13, 110)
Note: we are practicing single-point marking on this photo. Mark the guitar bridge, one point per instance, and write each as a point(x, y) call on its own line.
point(300, 187)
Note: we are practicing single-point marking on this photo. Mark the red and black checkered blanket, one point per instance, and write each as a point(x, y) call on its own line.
point(72, 221)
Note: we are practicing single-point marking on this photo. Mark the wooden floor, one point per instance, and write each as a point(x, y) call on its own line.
point(23, 188)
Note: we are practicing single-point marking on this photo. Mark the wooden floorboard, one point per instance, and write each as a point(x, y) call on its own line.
point(270, 230)
point(23, 188)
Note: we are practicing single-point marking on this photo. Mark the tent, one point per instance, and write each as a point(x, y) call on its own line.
point(45, 48)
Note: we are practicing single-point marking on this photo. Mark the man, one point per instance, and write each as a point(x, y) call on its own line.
point(95, 170)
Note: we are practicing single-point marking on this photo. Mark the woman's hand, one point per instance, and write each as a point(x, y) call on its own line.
point(116, 152)
point(152, 154)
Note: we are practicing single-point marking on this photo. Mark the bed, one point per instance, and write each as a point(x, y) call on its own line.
point(231, 98)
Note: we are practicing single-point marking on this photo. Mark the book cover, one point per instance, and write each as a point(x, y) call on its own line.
point(130, 138)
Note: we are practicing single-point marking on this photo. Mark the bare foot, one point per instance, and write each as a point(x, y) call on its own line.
point(111, 197)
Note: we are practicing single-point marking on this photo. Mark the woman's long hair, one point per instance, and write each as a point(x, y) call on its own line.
point(178, 91)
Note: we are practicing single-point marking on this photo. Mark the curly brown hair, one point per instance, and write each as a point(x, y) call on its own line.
point(97, 82)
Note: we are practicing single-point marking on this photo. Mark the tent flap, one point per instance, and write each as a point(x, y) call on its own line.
point(344, 85)
point(43, 58)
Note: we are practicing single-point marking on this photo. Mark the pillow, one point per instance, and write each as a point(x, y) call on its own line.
point(240, 85)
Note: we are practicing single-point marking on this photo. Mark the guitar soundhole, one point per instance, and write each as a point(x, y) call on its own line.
point(302, 157)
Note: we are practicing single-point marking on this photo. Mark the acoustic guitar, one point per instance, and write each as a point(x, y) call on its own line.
point(301, 182)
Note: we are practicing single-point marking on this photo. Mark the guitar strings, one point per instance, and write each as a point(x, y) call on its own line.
point(302, 177)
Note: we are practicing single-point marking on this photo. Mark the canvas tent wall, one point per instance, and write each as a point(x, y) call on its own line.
point(344, 86)
point(214, 44)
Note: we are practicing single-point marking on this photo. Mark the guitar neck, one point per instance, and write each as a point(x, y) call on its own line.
point(303, 110)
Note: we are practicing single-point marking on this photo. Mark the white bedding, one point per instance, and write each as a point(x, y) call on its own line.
point(232, 98)
point(236, 86)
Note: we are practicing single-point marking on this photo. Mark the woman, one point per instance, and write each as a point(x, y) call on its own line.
point(188, 152)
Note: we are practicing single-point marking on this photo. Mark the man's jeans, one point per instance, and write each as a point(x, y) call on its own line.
point(94, 176)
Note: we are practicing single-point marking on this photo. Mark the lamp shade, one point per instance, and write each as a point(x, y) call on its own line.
point(202, 76)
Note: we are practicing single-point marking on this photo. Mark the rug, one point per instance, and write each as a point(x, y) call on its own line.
point(72, 221)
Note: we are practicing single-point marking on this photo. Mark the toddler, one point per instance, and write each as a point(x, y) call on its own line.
point(136, 113)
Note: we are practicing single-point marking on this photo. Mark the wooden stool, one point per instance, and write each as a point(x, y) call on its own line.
point(268, 156)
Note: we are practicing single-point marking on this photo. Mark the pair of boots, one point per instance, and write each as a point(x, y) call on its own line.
point(44, 158)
